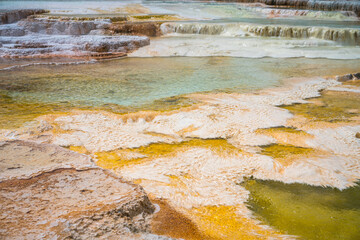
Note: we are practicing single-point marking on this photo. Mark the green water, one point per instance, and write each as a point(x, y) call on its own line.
point(140, 81)
point(133, 84)
point(136, 81)
point(307, 211)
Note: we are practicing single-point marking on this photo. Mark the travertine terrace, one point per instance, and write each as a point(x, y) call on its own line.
point(180, 119)
point(49, 192)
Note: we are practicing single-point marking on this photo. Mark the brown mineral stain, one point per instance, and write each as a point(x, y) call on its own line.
point(172, 223)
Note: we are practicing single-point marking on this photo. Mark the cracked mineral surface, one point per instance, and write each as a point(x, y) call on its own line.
point(48, 192)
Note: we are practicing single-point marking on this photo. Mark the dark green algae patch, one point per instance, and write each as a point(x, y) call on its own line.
point(306, 211)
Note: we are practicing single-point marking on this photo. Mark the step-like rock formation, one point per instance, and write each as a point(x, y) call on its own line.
point(71, 46)
point(75, 26)
point(46, 36)
point(11, 16)
point(9, 30)
point(47, 192)
point(346, 36)
point(326, 5)
point(59, 27)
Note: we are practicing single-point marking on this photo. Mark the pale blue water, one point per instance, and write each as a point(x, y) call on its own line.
point(140, 81)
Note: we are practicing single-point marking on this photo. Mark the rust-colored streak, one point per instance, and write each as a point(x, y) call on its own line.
point(171, 223)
